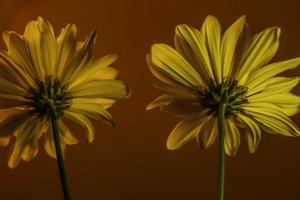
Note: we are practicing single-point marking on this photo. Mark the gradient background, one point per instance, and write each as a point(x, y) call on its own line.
point(131, 162)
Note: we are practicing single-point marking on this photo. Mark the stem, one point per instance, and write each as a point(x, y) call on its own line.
point(59, 156)
point(221, 153)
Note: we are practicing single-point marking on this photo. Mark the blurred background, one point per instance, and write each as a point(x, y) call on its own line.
point(131, 162)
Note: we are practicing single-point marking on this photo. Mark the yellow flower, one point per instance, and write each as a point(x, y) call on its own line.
point(208, 67)
point(39, 70)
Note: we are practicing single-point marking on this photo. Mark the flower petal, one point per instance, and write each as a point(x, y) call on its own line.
point(231, 138)
point(97, 70)
point(211, 31)
point(172, 63)
point(32, 38)
point(170, 88)
point(184, 132)
point(228, 45)
point(272, 118)
point(112, 89)
point(48, 46)
point(84, 122)
point(190, 43)
point(24, 135)
point(17, 51)
point(208, 133)
point(180, 106)
point(66, 45)
point(278, 99)
point(92, 111)
point(274, 85)
point(261, 50)
point(261, 75)
point(253, 133)
point(81, 59)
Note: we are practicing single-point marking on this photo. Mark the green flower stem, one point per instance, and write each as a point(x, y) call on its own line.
point(58, 151)
point(221, 154)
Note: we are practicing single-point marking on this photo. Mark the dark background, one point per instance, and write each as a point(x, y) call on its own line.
point(131, 162)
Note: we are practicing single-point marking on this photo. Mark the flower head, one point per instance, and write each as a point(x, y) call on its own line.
point(208, 67)
point(41, 74)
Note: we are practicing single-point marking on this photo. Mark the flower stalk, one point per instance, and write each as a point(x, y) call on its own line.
point(59, 155)
point(221, 153)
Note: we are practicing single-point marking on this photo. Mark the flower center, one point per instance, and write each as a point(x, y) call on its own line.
point(228, 92)
point(49, 98)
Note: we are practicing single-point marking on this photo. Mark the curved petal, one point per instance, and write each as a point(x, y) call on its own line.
point(81, 59)
point(211, 31)
point(190, 43)
point(66, 45)
point(179, 106)
point(25, 133)
point(32, 38)
point(84, 122)
point(175, 66)
point(261, 50)
point(231, 138)
point(17, 51)
point(253, 133)
point(97, 70)
point(112, 89)
point(171, 88)
point(273, 118)
point(48, 46)
point(263, 74)
point(208, 133)
point(229, 42)
point(278, 99)
point(274, 85)
point(184, 132)
point(92, 111)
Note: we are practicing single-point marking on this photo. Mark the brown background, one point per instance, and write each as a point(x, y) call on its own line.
point(131, 162)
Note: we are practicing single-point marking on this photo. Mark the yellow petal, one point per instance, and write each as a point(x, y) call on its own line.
point(272, 119)
point(274, 85)
point(84, 122)
point(184, 132)
point(229, 43)
point(179, 106)
point(47, 46)
point(17, 51)
point(66, 44)
point(211, 31)
point(261, 50)
point(278, 99)
point(32, 38)
point(25, 133)
point(253, 133)
point(208, 133)
point(112, 89)
point(104, 103)
point(175, 66)
point(15, 73)
point(81, 59)
point(162, 79)
point(190, 43)
point(92, 111)
point(231, 138)
point(10, 123)
point(65, 134)
point(96, 70)
point(261, 75)
point(173, 89)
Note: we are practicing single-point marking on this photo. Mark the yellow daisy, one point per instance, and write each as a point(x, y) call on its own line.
point(206, 66)
point(222, 83)
point(44, 77)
